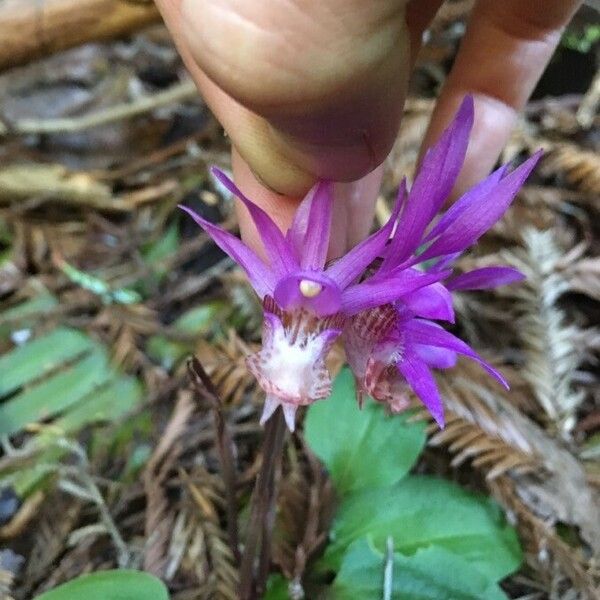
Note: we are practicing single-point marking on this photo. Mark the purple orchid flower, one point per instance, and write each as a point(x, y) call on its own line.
point(384, 315)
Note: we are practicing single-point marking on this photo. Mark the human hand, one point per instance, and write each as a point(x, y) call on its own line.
point(315, 88)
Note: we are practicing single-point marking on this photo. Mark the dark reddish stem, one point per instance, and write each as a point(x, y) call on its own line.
point(256, 558)
point(205, 388)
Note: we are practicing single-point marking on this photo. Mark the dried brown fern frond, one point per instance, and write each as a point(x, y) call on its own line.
point(203, 548)
point(159, 515)
point(304, 511)
point(581, 168)
point(551, 356)
point(561, 567)
point(482, 432)
point(583, 276)
point(553, 481)
point(225, 362)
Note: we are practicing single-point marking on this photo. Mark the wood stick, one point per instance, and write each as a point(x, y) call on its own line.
point(31, 29)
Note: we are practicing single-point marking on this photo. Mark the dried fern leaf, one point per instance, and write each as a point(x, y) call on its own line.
point(547, 475)
point(159, 516)
point(552, 358)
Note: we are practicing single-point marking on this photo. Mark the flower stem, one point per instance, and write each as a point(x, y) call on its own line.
point(256, 558)
point(225, 447)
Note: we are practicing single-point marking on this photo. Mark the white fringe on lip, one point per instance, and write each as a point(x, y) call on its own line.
point(290, 366)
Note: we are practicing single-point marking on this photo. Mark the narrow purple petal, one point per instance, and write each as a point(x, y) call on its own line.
point(444, 262)
point(371, 293)
point(439, 358)
point(277, 249)
point(471, 224)
point(420, 379)
point(485, 278)
point(260, 276)
point(316, 241)
point(297, 231)
point(467, 202)
point(309, 289)
point(349, 267)
point(431, 302)
point(434, 182)
point(430, 334)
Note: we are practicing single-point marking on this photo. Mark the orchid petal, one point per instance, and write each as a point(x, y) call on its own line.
point(430, 334)
point(471, 224)
point(316, 240)
point(322, 295)
point(433, 184)
point(485, 278)
point(420, 379)
point(349, 267)
point(270, 406)
point(466, 202)
point(289, 414)
point(431, 302)
point(439, 358)
point(372, 293)
point(277, 249)
point(297, 231)
point(261, 278)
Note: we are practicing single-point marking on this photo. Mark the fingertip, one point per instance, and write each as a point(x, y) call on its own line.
point(280, 207)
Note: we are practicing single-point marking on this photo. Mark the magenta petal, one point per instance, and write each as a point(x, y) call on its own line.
point(467, 202)
point(316, 241)
point(485, 278)
point(261, 278)
point(431, 302)
point(379, 291)
point(439, 358)
point(349, 267)
point(321, 294)
point(277, 249)
point(430, 334)
point(471, 224)
point(420, 379)
point(433, 184)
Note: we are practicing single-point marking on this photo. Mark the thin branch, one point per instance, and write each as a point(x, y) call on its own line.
point(177, 93)
point(205, 388)
point(262, 513)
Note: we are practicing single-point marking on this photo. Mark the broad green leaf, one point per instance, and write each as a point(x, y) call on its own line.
point(431, 573)
point(36, 358)
point(277, 588)
point(109, 403)
point(420, 512)
point(110, 585)
point(26, 313)
point(361, 448)
point(55, 394)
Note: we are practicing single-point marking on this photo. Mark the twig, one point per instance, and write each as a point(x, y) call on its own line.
point(262, 514)
point(205, 388)
point(388, 570)
point(177, 93)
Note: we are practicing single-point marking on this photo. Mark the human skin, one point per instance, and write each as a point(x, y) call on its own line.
point(310, 89)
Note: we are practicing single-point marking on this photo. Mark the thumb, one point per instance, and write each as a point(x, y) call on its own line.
point(305, 90)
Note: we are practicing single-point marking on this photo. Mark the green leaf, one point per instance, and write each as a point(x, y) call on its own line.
point(277, 588)
point(113, 585)
point(36, 358)
point(55, 394)
point(198, 321)
point(361, 448)
point(430, 574)
point(111, 402)
point(26, 313)
point(424, 511)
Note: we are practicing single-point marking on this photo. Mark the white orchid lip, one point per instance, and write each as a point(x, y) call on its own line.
point(290, 367)
point(309, 288)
